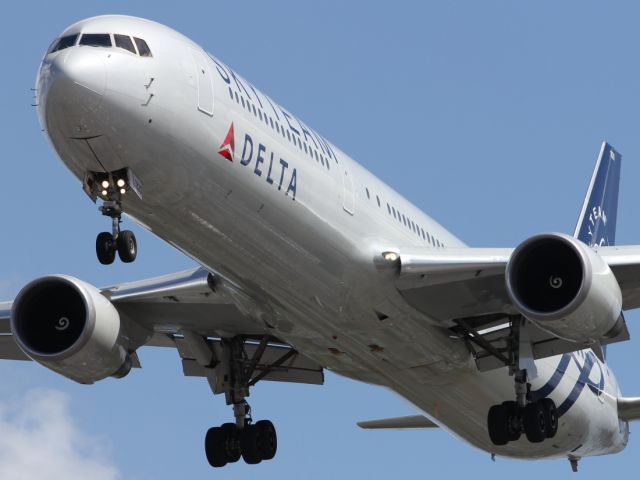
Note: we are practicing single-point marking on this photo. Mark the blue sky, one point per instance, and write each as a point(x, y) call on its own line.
point(488, 115)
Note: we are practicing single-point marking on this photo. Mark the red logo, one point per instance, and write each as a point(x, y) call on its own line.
point(228, 146)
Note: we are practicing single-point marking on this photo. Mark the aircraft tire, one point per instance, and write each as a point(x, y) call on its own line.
point(232, 442)
point(497, 422)
point(550, 417)
point(127, 246)
point(105, 248)
point(267, 439)
point(534, 422)
point(513, 424)
point(249, 445)
point(214, 447)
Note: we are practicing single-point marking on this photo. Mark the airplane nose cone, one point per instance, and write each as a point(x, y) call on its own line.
point(78, 79)
point(71, 88)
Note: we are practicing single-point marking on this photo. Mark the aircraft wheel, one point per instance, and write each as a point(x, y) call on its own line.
point(127, 246)
point(249, 445)
point(105, 249)
point(497, 422)
point(534, 422)
point(232, 442)
point(550, 417)
point(215, 447)
point(267, 439)
point(514, 430)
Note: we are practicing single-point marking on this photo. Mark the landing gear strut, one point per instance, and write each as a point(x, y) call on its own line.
point(536, 418)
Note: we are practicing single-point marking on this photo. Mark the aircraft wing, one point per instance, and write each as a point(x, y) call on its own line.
point(464, 289)
point(192, 311)
point(8, 348)
point(625, 263)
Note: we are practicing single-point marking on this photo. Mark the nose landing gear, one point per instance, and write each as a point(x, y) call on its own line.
point(111, 187)
point(123, 242)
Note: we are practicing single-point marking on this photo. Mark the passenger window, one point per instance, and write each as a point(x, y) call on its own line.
point(96, 39)
point(124, 41)
point(64, 42)
point(143, 48)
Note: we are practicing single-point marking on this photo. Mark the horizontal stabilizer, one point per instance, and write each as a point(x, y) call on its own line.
point(629, 408)
point(412, 421)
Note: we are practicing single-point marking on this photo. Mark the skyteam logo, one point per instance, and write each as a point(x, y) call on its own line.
point(228, 146)
point(582, 365)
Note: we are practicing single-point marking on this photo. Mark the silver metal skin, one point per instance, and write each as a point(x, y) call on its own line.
point(305, 258)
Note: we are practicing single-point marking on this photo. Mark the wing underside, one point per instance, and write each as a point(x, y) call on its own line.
point(464, 289)
point(194, 312)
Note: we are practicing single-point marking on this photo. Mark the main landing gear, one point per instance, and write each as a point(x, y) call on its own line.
point(230, 370)
point(536, 418)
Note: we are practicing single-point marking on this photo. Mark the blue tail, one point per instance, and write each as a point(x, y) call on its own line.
point(597, 222)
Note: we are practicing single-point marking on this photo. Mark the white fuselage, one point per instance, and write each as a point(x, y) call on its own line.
point(293, 221)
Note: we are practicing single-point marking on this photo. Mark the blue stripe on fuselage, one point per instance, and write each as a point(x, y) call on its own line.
point(585, 369)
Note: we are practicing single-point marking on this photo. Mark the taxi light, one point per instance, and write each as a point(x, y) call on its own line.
point(122, 190)
point(104, 193)
point(105, 184)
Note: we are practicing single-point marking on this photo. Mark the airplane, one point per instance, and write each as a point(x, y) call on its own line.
point(307, 261)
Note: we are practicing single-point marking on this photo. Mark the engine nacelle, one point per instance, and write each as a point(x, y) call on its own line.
point(68, 326)
point(565, 288)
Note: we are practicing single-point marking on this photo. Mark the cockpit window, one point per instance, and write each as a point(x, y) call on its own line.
point(64, 42)
point(143, 48)
point(96, 39)
point(124, 41)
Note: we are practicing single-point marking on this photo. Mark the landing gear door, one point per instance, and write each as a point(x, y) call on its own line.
point(348, 201)
point(205, 83)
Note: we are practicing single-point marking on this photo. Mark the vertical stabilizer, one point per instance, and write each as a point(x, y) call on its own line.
point(597, 221)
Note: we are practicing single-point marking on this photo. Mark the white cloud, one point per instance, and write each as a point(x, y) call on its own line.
point(39, 439)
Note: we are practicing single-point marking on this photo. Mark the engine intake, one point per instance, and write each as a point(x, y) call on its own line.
point(564, 287)
point(68, 326)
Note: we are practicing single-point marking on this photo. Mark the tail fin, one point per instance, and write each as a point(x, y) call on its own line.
point(597, 222)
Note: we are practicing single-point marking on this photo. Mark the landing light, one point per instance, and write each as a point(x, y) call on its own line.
point(120, 184)
point(105, 184)
point(390, 256)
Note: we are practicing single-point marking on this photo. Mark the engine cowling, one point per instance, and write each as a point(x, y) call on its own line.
point(68, 326)
point(565, 287)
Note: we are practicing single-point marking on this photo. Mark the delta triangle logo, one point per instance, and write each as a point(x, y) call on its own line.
point(228, 146)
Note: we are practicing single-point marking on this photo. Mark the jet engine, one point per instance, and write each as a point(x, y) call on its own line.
point(565, 288)
point(68, 326)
